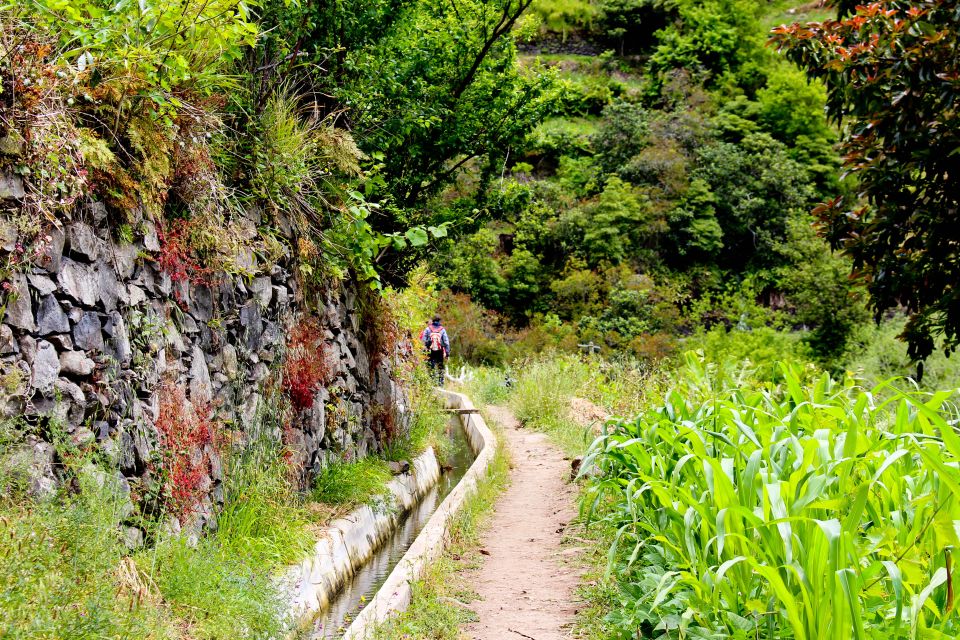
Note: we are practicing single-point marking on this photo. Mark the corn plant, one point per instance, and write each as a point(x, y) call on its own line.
point(811, 509)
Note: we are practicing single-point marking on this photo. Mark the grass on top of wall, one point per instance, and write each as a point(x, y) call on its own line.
point(352, 483)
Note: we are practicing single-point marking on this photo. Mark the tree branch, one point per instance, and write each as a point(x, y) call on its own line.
point(506, 22)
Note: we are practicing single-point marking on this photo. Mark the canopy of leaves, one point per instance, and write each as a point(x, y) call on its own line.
point(441, 89)
point(893, 79)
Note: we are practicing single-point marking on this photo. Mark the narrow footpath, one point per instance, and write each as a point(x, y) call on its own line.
point(526, 583)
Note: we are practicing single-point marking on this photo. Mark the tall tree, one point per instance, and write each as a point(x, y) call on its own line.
point(893, 80)
point(441, 89)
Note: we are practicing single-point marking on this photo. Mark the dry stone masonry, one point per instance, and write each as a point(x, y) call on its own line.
point(94, 331)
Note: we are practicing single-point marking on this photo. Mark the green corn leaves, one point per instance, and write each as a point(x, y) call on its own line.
point(808, 510)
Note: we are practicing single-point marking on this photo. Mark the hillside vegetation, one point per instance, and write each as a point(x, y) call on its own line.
point(668, 193)
point(642, 204)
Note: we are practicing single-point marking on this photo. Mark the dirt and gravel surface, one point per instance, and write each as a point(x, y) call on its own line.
point(526, 584)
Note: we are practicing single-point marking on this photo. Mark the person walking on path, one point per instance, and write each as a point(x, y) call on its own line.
point(437, 342)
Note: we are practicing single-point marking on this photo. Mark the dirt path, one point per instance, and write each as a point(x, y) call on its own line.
point(526, 584)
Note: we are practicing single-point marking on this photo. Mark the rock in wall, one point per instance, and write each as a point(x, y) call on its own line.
point(100, 341)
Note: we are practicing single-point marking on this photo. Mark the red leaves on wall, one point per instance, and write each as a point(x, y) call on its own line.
point(185, 432)
point(305, 368)
point(175, 257)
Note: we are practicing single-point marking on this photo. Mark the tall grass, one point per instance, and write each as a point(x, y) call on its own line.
point(428, 427)
point(541, 394)
point(808, 509)
point(65, 571)
point(350, 484)
point(221, 585)
point(263, 519)
point(215, 593)
point(63, 575)
point(541, 398)
point(488, 385)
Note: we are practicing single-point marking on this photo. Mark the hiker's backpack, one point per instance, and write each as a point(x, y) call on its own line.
point(436, 339)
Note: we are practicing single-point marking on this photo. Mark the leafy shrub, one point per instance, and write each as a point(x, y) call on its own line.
point(715, 37)
point(808, 509)
point(473, 330)
point(578, 175)
point(586, 95)
point(821, 292)
point(757, 191)
point(565, 16)
point(557, 137)
point(760, 347)
point(414, 304)
point(792, 106)
point(632, 23)
point(616, 226)
point(140, 47)
point(117, 98)
point(875, 353)
point(473, 267)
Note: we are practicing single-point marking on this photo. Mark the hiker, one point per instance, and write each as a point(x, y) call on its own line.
point(435, 339)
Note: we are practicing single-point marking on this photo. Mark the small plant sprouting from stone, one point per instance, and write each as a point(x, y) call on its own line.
point(147, 333)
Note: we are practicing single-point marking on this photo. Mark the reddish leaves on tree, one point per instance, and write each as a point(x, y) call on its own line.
point(893, 82)
point(185, 432)
point(305, 368)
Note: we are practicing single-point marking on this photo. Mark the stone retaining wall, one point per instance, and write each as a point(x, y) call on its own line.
point(95, 332)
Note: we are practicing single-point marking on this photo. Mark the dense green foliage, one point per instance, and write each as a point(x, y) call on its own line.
point(337, 121)
point(635, 174)
point(808, 508)
point(661, 184)
point(892, 73)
